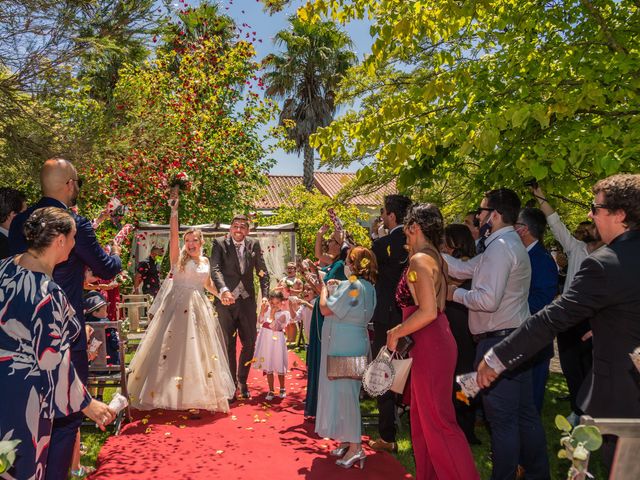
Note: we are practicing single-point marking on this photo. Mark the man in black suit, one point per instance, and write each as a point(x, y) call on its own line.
point(12, 202)
point(60, 188)
point(605, 290)
point(234, 258)
point(392, 258)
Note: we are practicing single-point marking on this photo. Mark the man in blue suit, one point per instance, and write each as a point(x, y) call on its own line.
point(60, 188)
point(543, 289)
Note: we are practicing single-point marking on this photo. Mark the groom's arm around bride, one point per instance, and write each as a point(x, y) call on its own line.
point(234, 259)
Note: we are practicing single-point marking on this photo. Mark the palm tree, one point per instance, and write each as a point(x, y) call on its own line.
point(305, 76)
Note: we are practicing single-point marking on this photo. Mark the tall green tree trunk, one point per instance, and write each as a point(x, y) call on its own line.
point(308, 166)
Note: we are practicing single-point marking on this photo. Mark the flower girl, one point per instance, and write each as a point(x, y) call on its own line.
point(271, 347)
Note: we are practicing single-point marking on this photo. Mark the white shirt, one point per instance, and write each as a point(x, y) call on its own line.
point(531, 245)
point(500, 283)
point(575, 249)
point(4, 232)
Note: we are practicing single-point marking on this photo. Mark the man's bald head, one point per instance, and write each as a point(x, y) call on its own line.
point(58, 179)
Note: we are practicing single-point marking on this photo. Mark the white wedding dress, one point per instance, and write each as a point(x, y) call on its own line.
point(181, 362)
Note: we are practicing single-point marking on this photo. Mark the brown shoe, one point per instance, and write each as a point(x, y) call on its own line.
point(382, 446)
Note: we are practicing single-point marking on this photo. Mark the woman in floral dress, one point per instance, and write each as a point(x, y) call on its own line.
point(37, 326)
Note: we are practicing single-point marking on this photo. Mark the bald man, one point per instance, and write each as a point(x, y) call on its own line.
point(60, 188)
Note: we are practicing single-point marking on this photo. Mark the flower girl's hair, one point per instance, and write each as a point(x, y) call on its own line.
point(184, 256)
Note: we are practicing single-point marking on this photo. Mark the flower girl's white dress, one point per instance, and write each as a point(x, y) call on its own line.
point(181, 362)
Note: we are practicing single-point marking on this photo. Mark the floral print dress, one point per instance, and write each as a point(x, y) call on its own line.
point(37, 380)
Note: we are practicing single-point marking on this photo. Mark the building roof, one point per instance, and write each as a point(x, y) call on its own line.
point(328, 183)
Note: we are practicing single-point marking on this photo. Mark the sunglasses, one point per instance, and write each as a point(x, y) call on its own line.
point(78, 180)
point(595, 206)
point(484, 209)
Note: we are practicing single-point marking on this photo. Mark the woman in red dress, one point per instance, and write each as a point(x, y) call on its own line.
point(440, 448)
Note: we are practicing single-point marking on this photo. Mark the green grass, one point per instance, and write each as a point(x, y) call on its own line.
point(93, 438)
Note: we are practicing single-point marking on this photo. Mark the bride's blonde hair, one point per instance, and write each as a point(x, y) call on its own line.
point(184, 255)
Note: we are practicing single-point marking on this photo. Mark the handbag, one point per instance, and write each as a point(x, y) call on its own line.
point(346, 367)
point(402, 368)
point(379, 375)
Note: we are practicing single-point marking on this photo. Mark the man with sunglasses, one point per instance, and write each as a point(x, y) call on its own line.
point(574, 345)
point(497, 303)
point(607, 291)
point(60, 188)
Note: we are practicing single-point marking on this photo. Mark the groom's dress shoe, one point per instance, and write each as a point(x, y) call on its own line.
point(244, 392)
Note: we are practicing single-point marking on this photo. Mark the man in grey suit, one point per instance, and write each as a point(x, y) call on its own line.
point(234, 258)
point(605, 290)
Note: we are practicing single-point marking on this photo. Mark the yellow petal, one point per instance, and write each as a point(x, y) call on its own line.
point(182, 426)
point(364, 262)
point(148, 430)
point(353, 278)
point(412, 276)
point(354, 293)
point(144, 421)
point(389, 250)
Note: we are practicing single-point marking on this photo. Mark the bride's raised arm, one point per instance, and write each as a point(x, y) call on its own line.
point(174, 234)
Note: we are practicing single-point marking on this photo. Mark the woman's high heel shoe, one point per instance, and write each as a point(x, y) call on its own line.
point(339, 452)
point(348, 462)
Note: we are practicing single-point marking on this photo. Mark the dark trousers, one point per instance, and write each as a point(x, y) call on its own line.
point(386, 402)
point(576, 360)
point(241, 317)
point(517, 435)
point(539, 376)
point(65, 429)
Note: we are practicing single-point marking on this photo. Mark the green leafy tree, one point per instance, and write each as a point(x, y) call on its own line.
point(308, 209)
point(196, 120)
point(489, 93)
point(306, 76)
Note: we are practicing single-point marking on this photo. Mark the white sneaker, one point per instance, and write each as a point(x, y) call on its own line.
point(270, 396)
point(283, 393)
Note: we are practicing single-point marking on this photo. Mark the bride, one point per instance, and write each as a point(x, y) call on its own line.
point(181, 362)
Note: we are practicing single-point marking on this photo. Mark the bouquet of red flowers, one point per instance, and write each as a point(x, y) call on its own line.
point(180, 180)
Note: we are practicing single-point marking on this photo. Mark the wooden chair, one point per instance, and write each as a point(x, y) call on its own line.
point(135, 312)
point(103, 374)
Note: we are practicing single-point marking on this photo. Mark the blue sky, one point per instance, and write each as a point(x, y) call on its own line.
point(251, 12)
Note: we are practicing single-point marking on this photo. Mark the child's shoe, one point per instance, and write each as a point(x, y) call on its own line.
point(270, 396)
point(283, 393)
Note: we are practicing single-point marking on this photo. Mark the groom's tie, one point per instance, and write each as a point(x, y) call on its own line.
point(240, 256)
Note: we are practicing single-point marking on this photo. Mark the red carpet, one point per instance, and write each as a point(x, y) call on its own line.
point(256, 440)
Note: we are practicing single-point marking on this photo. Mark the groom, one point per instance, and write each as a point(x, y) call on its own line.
point(234, 258)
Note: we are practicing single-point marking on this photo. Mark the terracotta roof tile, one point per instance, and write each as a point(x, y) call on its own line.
point(328, 183)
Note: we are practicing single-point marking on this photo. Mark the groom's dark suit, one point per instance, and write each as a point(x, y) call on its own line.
point(242, 315)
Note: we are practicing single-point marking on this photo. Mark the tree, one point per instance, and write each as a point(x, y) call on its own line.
point(490, 92)
point(195, 119)
point(308, 209)
point(306, 76)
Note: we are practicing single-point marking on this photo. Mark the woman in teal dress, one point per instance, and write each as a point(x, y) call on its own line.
point(344, 333)
point(334, 271)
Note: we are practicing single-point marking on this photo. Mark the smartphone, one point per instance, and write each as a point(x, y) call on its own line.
point(404, 345)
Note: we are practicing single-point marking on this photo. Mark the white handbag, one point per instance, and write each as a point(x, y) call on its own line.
point(401, 367)
point(378, 376)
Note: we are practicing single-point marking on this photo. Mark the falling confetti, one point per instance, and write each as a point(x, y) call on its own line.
point(364, 262)
point(389, 250)
point(353, 278)
point(354, 293)
point(412, 276)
